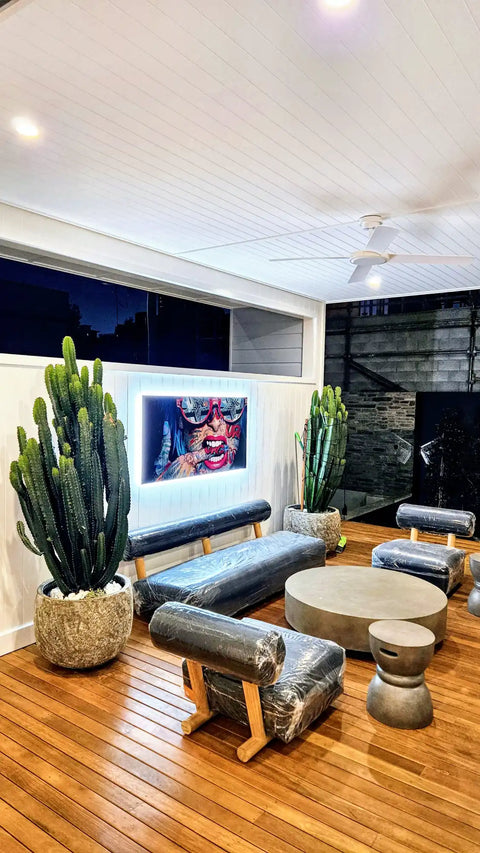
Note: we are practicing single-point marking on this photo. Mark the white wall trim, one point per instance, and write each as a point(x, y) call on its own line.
point(27, 361)
point(16, 638)
point(64, 242)
point(34, 238)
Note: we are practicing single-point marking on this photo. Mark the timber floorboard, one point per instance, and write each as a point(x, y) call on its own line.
point(96, 761)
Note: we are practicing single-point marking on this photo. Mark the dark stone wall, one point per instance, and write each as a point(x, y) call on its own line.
point(380, 437)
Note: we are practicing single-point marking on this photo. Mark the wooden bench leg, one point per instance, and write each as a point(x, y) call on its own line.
point(198, 694)
point(140, 568)
point(259, 738)
point(257, 529)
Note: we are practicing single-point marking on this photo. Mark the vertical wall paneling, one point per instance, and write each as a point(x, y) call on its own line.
point(20, 570)
point(277, 406)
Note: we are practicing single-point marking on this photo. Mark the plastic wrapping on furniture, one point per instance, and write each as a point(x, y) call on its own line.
point(438, 564)
point(232, 579)
point(152, 540)
point(436, 520)
point(311, 679)
point(249, 652)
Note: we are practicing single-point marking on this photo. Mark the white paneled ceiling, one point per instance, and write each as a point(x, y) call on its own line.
point(212, 130)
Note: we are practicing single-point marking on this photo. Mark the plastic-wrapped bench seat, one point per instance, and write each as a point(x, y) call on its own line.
point(233, 665)
point(442, 565)
point(226, 581)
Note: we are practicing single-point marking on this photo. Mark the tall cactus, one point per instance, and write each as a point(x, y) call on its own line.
point(64, 492)
point(324, 448)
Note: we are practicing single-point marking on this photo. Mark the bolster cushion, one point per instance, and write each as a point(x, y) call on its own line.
point(230, 580)
point(152, 540)
point(437, 564)
point(245, 651)
point(430, 519)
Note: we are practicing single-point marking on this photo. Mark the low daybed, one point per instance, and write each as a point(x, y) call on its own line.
point(226, 581)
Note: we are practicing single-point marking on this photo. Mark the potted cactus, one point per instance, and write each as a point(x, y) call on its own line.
point(323, 446)
point(75, 496)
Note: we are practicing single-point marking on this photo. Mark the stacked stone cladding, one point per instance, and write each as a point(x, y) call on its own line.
point(378, 422)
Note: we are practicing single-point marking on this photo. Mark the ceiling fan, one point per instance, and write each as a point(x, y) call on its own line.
point(375, 252)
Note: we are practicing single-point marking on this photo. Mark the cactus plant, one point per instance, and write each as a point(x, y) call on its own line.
point(64, 491)
point(325, 440)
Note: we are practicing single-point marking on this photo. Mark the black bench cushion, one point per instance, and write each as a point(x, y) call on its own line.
point(230, 580)
point(431, 519)
point(152, 540)
point(438, 564)
point(249, 652)
point(311, 679)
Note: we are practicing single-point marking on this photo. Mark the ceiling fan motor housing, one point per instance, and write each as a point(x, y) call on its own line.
point(372, 220)
point(370, 259)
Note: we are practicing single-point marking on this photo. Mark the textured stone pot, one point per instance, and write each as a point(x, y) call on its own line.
point(323, 525)
point(85, 633)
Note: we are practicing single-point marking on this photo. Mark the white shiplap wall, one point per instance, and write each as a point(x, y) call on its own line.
point(266, 342)
point(276, 409)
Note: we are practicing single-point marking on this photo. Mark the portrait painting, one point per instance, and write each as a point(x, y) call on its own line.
point(192, 436)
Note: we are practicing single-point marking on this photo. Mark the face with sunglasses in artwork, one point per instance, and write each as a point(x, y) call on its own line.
point(211, 429)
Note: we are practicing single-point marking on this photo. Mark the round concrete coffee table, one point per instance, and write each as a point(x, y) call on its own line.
point(340, 602)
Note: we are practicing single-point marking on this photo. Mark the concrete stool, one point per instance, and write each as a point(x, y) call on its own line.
point(397, 694)
point(473, 603)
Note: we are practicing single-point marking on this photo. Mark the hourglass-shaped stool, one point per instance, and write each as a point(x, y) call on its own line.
point(473, 603)
point(397, 695)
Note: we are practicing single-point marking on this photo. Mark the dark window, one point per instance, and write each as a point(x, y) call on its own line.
point(116, 323)
point(406, 304)
point(373, 307)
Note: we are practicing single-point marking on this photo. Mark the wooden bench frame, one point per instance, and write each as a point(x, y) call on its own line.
point(451, 537)
point(197, 694)
point(206, 545)
point(451, 541)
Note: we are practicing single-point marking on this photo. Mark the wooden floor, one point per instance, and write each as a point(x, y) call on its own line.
point(94, 762)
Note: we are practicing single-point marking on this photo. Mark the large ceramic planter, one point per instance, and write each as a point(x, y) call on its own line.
point(85, 633)
point(323, 525)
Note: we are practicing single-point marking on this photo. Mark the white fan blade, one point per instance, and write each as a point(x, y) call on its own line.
point(381, 238)
point(450, 260)
point(360, 273)
point(313, 258)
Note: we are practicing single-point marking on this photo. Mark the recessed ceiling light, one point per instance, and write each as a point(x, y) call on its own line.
point(374, 281)
point(25, 126)
point(338, 4)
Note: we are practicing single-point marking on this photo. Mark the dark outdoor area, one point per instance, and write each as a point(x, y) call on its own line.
point(409, 369)
point(447, 451)
point(114, 322)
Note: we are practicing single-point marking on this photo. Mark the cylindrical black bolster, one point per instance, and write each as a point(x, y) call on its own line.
point(430, 519)
point(219, 642)
point(161, 537)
